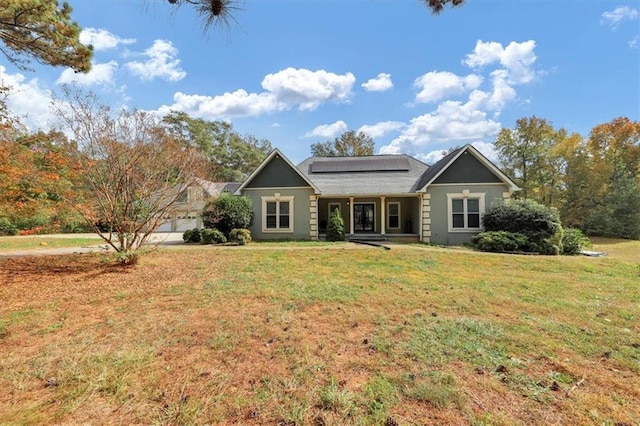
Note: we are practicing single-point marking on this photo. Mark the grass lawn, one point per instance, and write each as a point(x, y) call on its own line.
point(44, 241)
point(333, 336)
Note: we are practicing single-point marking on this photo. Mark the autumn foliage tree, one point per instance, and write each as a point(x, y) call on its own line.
point(131, 170)
point(42, 30)
point(614, 183)
point(594, 181)
point(34, 178)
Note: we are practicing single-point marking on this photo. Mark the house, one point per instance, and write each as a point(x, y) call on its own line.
point(379, 197)
point(186, 212)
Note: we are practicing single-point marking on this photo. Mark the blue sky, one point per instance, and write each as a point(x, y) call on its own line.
point(297, 72)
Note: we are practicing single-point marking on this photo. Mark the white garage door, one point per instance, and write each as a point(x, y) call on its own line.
point(184, 223)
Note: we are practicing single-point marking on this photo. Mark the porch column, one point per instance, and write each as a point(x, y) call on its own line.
point(313, 217)
point(383, 219)
point(351, 215)
point(426, 218)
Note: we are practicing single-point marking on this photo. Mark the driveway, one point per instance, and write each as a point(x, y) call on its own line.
point(157, 239)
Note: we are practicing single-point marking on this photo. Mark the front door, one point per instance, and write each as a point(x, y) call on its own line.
point(363, 217)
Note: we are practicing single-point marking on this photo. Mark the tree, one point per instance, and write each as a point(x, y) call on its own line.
point(42, 30)
point(132, 170)
point(231, 157)
point(335, 228)
point(34, 177)
point(221, 13)
point(613, 152)
point(349, 144)
point(528, 154)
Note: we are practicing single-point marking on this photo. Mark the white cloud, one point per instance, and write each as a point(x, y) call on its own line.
point(436, 85)
point(474, 120)
point(284, 90)
point(615, 17)
point(451, 122)
point(380, 129)
point(161, 63)
point(378, 84)
point(100, 74)
point(633, 43)
point(328, 131)
point(102, 39)
point(27, 99)
point(308, 89)
point(234, 104)
point(516, 58)
point(432, 157)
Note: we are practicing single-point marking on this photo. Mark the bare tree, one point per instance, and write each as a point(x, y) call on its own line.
point(131, 171)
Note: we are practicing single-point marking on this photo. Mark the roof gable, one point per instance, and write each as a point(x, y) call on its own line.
point(276, 171)
point(453, 168)
point(466, 168)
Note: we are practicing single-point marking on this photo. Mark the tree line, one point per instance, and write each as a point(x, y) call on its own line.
point(593, 181)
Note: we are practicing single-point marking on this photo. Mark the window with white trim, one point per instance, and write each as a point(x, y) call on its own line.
point(277, 214)
point(465, 211)
point(393, 215)
point(332, 207)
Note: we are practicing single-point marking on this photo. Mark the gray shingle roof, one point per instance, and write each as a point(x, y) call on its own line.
point(377, 178)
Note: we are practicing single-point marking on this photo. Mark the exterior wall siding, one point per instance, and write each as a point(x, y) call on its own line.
point(301, 213)
point(277, 174)
point(438, 220)
point(467, 169)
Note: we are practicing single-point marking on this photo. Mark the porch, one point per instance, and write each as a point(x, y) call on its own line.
point(380, 218)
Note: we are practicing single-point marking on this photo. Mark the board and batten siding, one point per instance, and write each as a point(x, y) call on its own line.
point(467, 169)
point(439, 210)
point(302, 204)
point(277, 174)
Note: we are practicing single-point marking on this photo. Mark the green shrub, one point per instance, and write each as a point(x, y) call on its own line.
point(39, 223)
point(228, 212)
point(500, 241)
point(6, 227)
point(335, 227)
point(573, 241)
point(212, 236)
point(240, 236)
point(191, 236)
point(539, 224)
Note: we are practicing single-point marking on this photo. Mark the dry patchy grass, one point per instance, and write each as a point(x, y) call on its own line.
point(320, 337)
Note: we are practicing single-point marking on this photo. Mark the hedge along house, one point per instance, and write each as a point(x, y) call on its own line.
point(393, 197)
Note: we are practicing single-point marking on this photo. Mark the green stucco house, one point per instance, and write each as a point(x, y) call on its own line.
point(379, 197)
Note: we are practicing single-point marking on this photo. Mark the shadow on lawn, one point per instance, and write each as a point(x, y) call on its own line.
point(87, 263)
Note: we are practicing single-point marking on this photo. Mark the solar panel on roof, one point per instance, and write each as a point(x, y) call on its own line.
point(383, 164)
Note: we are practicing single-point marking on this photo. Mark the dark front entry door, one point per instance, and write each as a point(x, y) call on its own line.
point(363, 217)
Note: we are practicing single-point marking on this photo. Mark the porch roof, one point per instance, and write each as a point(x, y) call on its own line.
point(359, 180)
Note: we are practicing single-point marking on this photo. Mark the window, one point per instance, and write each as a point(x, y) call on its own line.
point(277, 214)
point(393, 215)
point(465, 211)
point(332, 207)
